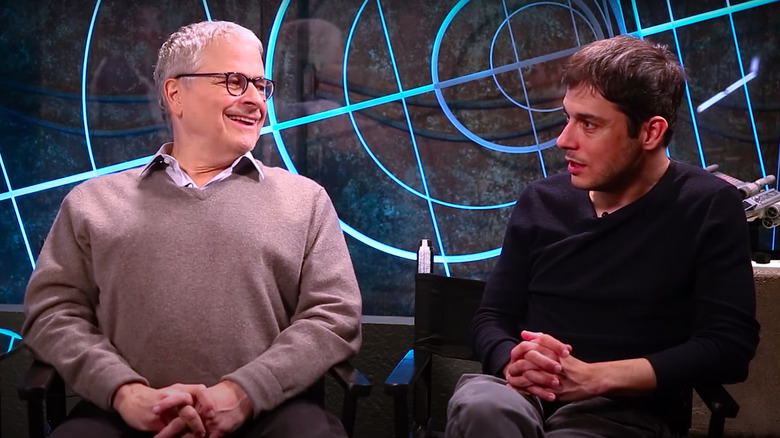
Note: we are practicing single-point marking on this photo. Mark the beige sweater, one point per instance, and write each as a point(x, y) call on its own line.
point(140, 280)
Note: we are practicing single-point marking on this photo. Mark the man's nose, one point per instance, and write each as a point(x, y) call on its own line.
point(253, 96)
point(565, 140)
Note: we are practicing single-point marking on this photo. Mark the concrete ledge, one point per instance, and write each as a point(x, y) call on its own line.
point(759, 396)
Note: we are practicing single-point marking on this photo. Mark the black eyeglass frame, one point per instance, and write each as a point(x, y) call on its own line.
point(269, 86)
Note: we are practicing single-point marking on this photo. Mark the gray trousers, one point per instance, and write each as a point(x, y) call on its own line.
point(296, 418)
point(483, 406)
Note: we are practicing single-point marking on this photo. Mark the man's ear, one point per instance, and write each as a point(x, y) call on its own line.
point(172, 94)
point(653, 130)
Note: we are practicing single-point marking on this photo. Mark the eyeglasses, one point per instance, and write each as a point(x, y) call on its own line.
point(237, 83)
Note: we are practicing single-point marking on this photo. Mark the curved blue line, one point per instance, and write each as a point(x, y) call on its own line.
point(412, 136)
point(747, 93)
point(492, 51)
point(351, 115)
point(687, 21)
point(443, 103)
point(206, 9)
point(691, 107)
point(11, 334)
point(84, 77)
point(409, 255)
point(18, 214)
point(777, 186)
point(604, 16)
point(269, 69)
point(84, 84)
point(423, 89)
point(621, 21)
point(78, 177)
point(75, 131)
point(368, 149)
point(15, 86)
point(639, 30)
point(574, 23)
point(590, 20)
point(528, 107)
point(274, 122)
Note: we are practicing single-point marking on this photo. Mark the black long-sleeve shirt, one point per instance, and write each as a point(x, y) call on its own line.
point(667, 278)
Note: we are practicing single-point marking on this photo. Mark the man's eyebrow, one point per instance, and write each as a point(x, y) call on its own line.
point(586, 117)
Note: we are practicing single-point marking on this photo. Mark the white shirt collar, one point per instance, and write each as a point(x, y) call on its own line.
point(182, 179)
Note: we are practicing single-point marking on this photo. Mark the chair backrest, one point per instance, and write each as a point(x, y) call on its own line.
point(444, 307)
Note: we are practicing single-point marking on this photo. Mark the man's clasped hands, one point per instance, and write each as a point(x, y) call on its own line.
point(183, 410)
point(543, 366)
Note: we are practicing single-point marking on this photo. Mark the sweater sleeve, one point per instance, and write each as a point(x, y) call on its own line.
point(725, 331)
point(325, 326)
point(497, 324)
point(60, 304)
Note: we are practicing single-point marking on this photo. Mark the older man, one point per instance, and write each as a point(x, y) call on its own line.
point(205, 292)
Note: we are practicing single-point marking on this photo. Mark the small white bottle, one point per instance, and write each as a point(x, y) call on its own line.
point(425, 257)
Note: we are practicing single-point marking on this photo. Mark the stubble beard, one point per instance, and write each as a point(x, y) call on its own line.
point(616, 178)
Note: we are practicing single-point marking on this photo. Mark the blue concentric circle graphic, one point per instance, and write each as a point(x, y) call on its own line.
point(581, 10)
point(460, 48)
point(599, 23)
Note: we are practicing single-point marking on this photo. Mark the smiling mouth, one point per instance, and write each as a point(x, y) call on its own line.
point(246, 121)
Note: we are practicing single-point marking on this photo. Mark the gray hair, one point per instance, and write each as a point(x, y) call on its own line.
point(183, 51)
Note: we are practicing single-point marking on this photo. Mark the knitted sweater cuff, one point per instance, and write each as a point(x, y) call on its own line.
point(106, 382)
point(261, 386)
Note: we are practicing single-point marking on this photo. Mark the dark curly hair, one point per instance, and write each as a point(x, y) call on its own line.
point(642, 78)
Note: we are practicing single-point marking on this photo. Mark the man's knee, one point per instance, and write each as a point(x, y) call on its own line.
point(477, 395)
point(484, 404)
point(286, 422)
point(86, 419)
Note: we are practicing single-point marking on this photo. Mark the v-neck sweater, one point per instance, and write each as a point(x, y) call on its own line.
point(248, 280)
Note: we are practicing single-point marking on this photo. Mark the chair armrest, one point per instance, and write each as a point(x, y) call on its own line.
point(39, 379)
point(404, 376)
point(405, 373)
point(718, 400)
point(44, 391)
point(351, 379)
point(355, 385)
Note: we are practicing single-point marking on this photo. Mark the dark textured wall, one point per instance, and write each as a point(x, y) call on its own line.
point(403, 166)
